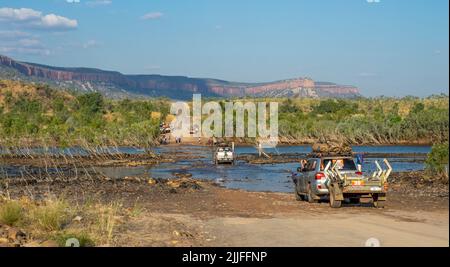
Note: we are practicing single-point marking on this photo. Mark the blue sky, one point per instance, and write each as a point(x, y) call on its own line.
point(385, 47)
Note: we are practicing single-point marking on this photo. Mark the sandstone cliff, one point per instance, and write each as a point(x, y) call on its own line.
point(113, 83)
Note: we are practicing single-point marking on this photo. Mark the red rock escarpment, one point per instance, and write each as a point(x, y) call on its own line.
point(160, 84)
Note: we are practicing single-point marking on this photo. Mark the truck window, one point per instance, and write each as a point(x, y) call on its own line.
point(311, 166)
point(343, 164)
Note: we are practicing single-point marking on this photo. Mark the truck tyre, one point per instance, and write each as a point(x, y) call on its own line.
point(298, 196)
point(333, 202)
point(378, 203)
point(310, 195)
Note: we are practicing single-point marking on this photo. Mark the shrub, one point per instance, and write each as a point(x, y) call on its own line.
point(91, 103)
point(289, 107)
point(51, 216)
point(106, 222)
point(82, 237)
point(437, 161)
point(11, 212)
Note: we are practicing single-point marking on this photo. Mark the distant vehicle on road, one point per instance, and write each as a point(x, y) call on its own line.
point(164, 128)
point(224, 153)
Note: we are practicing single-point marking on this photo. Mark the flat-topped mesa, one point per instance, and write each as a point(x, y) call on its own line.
point(62, 74)
point(258, 89)
point(224, 90)
point(281, 85)
point(331, 88)
point(178, 87)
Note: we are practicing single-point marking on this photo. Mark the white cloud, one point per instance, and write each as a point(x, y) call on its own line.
point(152, 15)
point(94, 3)
point(11, 35)
point(30, 42)
point(73, 1)
point(31, 18)
point(17, 42)
point(90, 44)
point(53, 21)
point(21, 14)
point(24, 50)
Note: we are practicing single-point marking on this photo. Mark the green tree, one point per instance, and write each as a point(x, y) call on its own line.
point(437, 161)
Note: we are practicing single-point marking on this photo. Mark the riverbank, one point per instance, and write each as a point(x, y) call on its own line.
point(289, 141)
point(175, 196)
point(30, 144)
point(135, 156)
point(249, 173)
point(189, 212)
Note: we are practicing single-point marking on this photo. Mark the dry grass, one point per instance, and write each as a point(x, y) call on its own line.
point(106, 222)
point(11, 212)
point(52, 215)
point(92, 224)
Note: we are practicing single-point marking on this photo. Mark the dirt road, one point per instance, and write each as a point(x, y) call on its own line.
point(391, 229)
point(240, 218)
point(187, 212)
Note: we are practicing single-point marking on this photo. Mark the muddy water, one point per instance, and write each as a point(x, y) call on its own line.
point(242, 175)
point(255, 177)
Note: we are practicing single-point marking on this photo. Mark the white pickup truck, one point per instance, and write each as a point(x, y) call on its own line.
point(224, 154)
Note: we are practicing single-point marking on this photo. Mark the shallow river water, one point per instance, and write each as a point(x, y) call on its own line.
point(257, 177)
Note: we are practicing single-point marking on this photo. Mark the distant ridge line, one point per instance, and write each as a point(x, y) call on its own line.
point(116, 84)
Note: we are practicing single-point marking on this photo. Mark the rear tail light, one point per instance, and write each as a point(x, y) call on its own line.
point(319, 176)
point(386, 186)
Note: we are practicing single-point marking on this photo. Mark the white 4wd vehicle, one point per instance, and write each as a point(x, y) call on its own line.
point(339, 178)
point(224, 154)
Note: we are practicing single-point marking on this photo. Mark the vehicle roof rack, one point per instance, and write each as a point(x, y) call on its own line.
point(223, 144)
point(330, 149)
point(324, 155)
